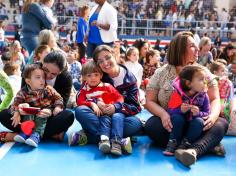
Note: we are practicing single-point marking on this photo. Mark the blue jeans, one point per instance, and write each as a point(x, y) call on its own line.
point(2, 46)
point(29, 43)
point(112, 127)
point(91, 124)
point(191, 133)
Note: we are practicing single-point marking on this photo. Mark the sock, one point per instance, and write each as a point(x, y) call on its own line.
point(104, 137)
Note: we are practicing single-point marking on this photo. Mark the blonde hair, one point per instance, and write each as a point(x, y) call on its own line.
point(130, 50)
point(13, 46)
point(44, 36)
point(204, 41)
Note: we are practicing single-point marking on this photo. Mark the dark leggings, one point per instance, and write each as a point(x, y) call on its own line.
point(207, 141)
point(82, 50)
point(55, 125)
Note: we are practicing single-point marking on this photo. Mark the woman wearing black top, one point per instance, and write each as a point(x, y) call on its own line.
point(54, 65)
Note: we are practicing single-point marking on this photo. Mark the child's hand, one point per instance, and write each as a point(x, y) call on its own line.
point(44, 113)
point(185, 107)
point(16, 119)
point(94, 23)
point(96, 109)
point(194, 110)
point(57, 110)
point(101, 105)
point(23, 105)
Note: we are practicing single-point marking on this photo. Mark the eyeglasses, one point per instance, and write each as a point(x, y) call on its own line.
point(106, 59)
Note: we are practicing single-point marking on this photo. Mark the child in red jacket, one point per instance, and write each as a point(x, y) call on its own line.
point(96, 94)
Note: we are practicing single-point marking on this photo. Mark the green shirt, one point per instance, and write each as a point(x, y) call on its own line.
point(4, 83)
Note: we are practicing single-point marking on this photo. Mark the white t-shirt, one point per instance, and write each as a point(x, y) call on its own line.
point(119, 80)
point(51, 82)
point(136, 69)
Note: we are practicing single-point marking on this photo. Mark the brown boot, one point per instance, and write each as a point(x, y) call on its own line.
point(186, 157)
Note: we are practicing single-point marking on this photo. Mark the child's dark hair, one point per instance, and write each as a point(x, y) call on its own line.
point(216, 65)
point(90, 67)
point(187, 74)
point(29, 69)
point(6, 56)
point(10, 68)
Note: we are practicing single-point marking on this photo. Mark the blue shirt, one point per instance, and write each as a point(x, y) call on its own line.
point(75, 71)
point(82, 29)
point(94, 35)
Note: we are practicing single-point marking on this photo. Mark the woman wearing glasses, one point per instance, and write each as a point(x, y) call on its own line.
point(54, 65)
point(126, 83)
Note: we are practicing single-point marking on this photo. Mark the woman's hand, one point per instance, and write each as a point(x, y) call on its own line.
point(44, 113)
point(23, 105)
point(96, 109)
point(109, 109)
point(166, 122)
point(16, 119)
point(209, 122)
point(57, 110)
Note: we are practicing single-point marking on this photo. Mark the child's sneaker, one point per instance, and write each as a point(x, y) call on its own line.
point(33, 140)
point(171, 147)
point(104, 146)
point(21, 137)
point(127, 145)
point(185, 144)
point(77, 138)
point(116, 148)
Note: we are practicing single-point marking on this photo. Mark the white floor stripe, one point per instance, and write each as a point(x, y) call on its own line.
point(5, 148)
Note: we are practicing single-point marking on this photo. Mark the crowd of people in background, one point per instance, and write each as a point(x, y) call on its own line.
point(135, 16)
point(93, 60)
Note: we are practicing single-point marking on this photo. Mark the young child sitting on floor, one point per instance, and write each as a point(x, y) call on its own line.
point(39, 95)
point(188, 107)
point(226, 89)
point(94, 94)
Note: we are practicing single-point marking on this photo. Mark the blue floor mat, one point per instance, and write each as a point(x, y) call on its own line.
point(52, 158)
